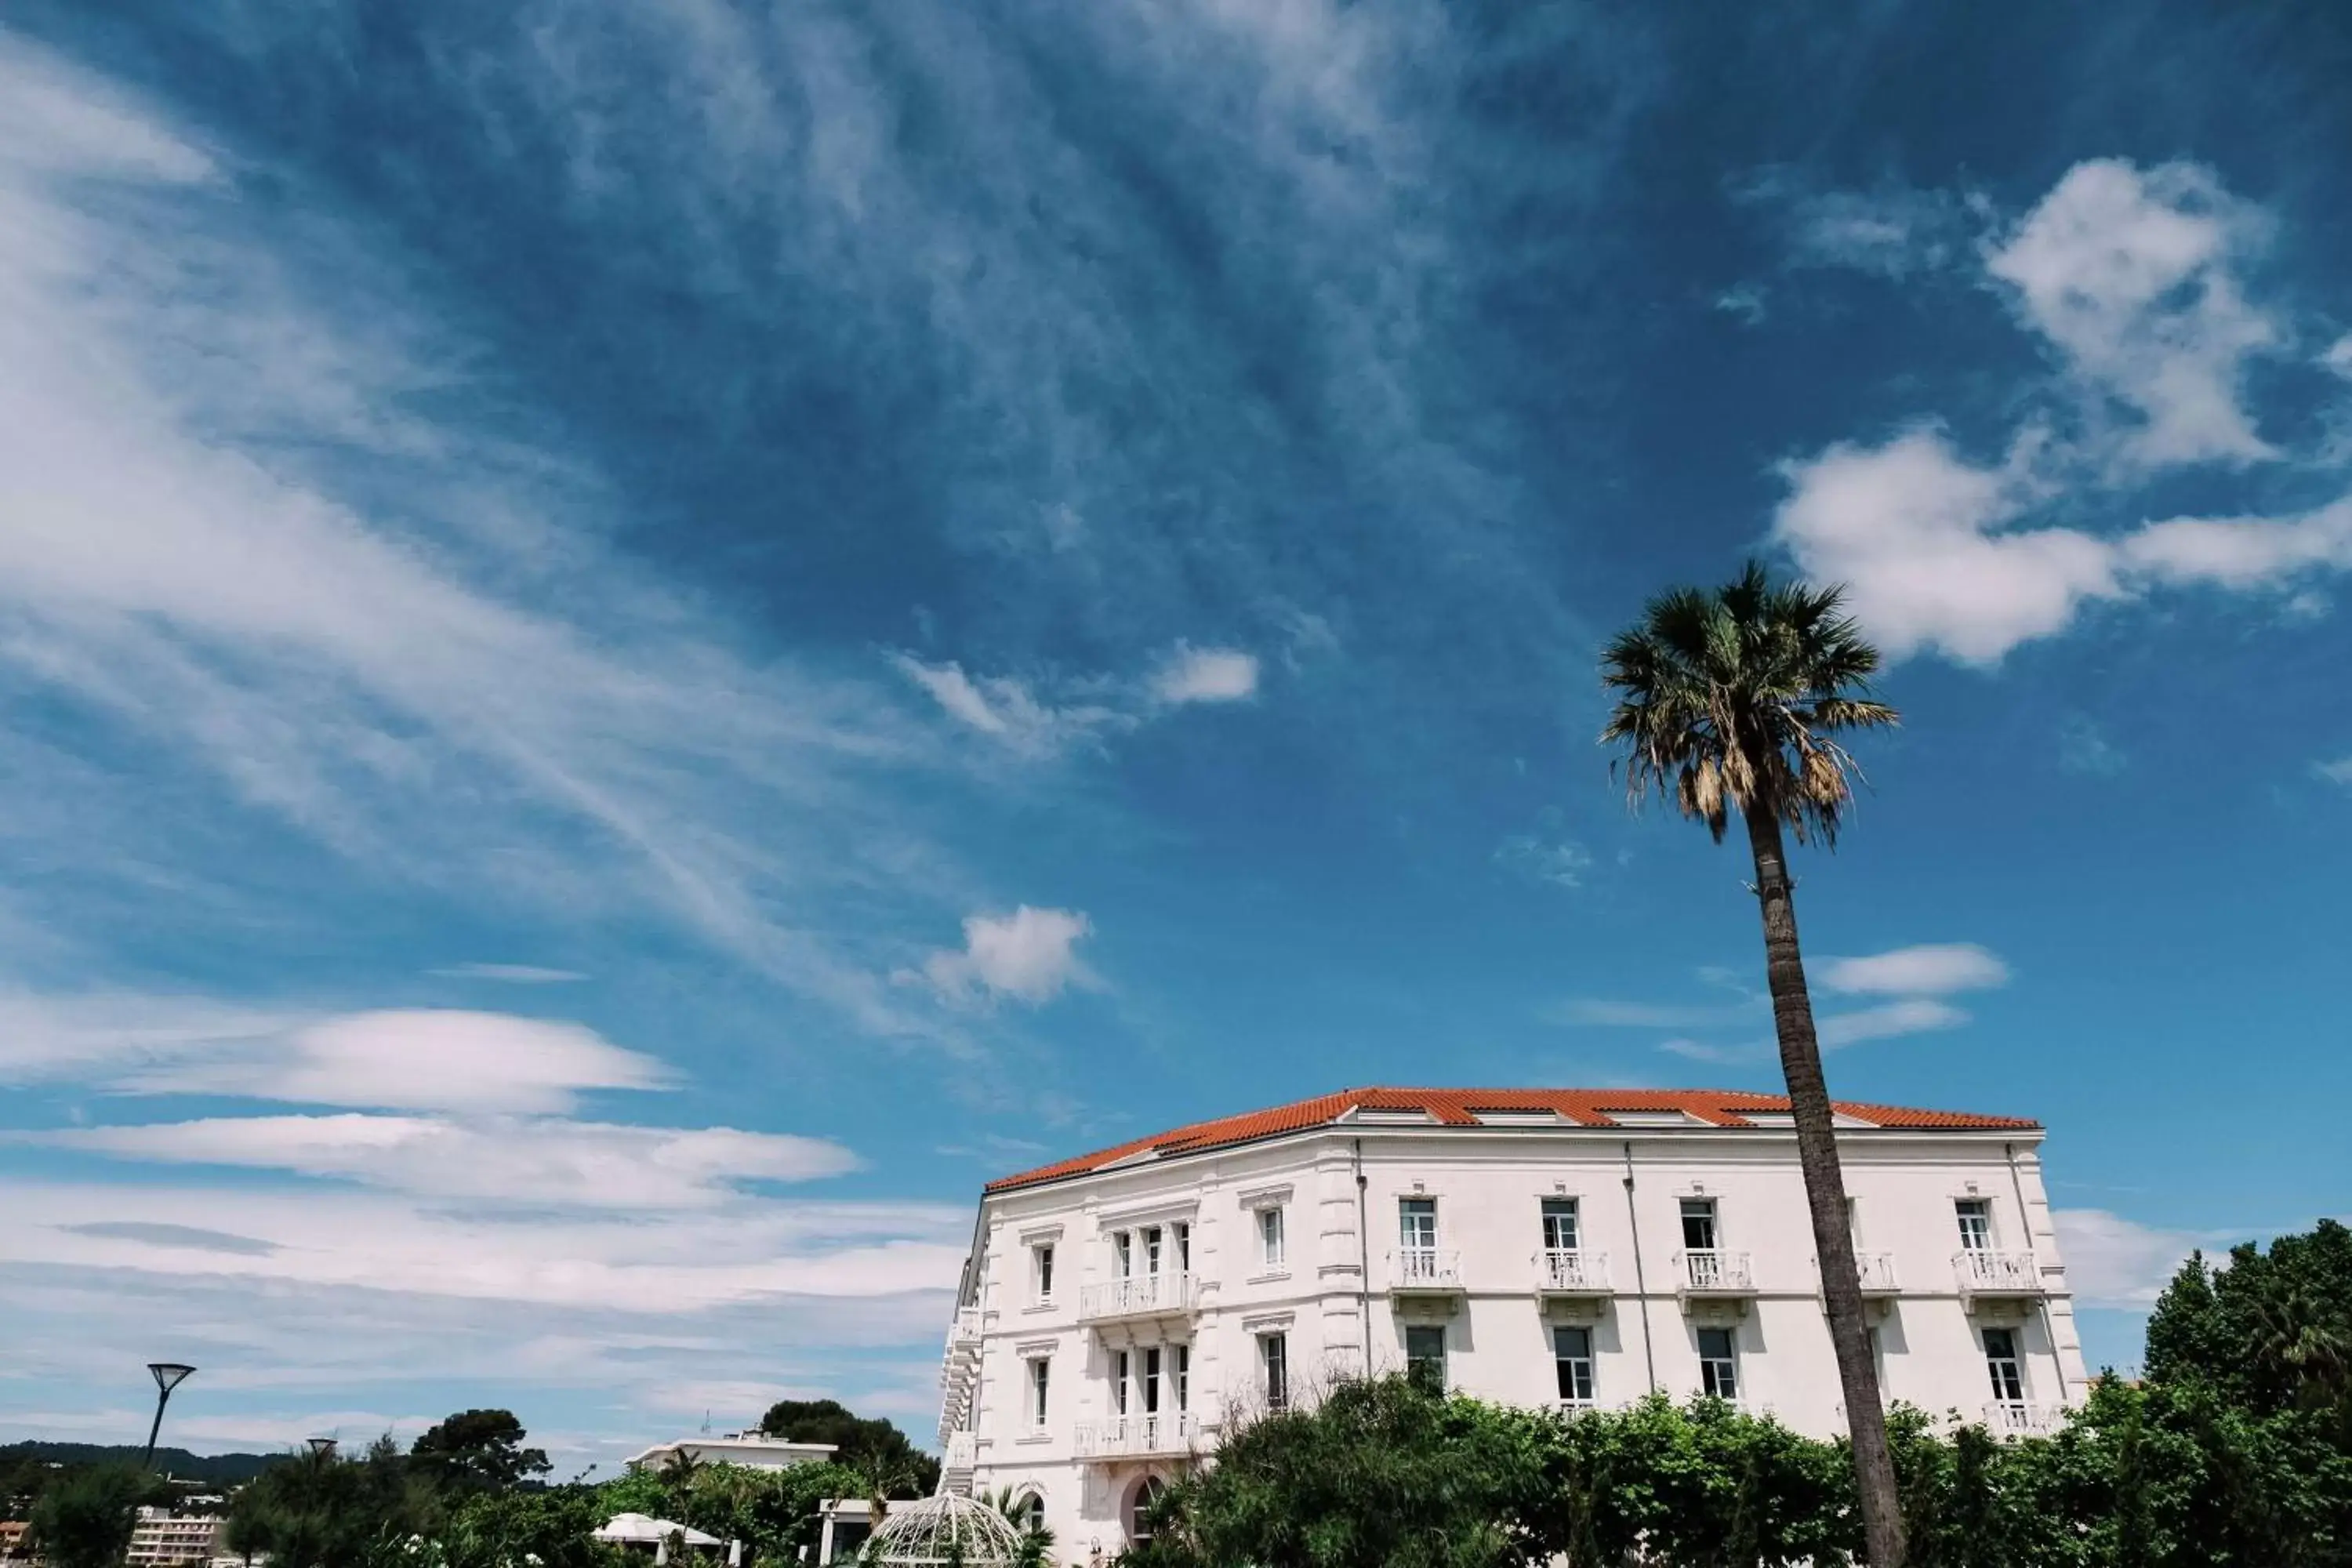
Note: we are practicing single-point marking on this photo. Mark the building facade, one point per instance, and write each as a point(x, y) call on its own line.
point(162, 1539)
point(751, 1450)
point(1572, 1248)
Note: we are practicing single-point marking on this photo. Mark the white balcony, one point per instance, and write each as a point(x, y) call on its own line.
point(1139, 1297)
point(1713, 1275)
point(1997, 1276)
point(961, 1454)
point(1877, 1272)
point(2020, 1419)
point(1158, 1435)
point(1571, 1274)
point(963, 1328)
point(1426, 1271)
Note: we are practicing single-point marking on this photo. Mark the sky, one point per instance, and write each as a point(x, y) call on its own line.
point(640, 642)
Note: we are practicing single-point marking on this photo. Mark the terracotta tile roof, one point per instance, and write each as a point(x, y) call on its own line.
point(1459, 1108)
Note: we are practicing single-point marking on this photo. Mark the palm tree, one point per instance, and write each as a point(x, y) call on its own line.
point(1733, 701)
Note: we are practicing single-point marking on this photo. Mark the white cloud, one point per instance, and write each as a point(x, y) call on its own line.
point(507, 1161)
point(2338, 771)
point(1004, 708)
point(1030, 954)
point(1910, 529)
point(508, 974)
point(2130, 273)
point(424, 1059)
point(1931, 969)
point(1562, 863)
point(1745, 303)
point(2338, 356)
point(1922, 541)
point(647, 1260)
point(1910, 1016)
point(2112, 1261)
point(1206, 674)
point(2084, 750)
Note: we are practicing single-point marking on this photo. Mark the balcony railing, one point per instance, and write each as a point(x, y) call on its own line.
point(1996, 1274)
point(1877, 1272)
point(1137, 1436)
point(1713, 1273)
point(1560, 1272)
point(2018, 1418)
point(963, 1328)
point(1139, 1296)
point(963, 1451)
point(1425, 1270)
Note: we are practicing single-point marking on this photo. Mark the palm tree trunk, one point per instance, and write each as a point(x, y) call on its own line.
point(1809, 1102)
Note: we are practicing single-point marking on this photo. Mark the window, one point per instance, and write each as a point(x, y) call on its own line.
point(1151, 1380)
point(1039, 1371)
point(1417, 1225)
point(1184, 1378)
point(1139, 1508)
point(1041, 1272)
point(1118, 1382)
point(1122, 1255)
point(1030, 1512)
point(1571, 1352)
point(1273, 1352)
point(1718, 1364)
point(1698, 1225)
point(1425, 1357)
point(2001, 1362)
point(1560, 1225)
point(1183, 1234)
point(1270, 1237)
point(1152, 1250)
point(1976, 1223)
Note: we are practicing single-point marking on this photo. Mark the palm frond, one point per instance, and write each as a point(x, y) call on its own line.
point(1730, 700)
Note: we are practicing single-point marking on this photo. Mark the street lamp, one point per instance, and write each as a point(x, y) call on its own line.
point(169, 1375)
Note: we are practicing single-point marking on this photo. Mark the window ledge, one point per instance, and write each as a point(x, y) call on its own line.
point(1047, 1305)
point(1045, 1435)
point(1268, 1275)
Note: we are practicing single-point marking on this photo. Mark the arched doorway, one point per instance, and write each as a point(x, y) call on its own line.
point(1029, 1510)
point(1139, 1508)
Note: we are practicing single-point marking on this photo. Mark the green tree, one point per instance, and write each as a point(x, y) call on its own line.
point(84, 1518)
point(1734, 701)
point(323, 1510)
point(2270, 1332)
point(857, 1440)
point(478, 1450)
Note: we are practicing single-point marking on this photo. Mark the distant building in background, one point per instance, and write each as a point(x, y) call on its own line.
point(753, 1451)
point(162, 1539)
point(1574, 1249)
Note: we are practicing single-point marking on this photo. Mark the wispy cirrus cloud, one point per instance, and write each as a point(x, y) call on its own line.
point(423, 1058)
point(1930, 969)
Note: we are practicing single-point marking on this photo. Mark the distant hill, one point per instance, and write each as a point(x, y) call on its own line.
point(224, 1470)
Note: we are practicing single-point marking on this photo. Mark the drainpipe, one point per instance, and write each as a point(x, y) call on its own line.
point(2049, 1323)
point(1640, 1285)
point(1363, 1260)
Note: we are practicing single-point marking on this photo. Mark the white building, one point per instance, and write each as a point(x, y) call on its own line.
point(162, 1539)
point(753, 1451)
point(1535, 1246)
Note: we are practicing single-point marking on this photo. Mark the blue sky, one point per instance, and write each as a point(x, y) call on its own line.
point(640, 642)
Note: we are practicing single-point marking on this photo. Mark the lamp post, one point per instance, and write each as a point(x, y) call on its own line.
point(169, 1375)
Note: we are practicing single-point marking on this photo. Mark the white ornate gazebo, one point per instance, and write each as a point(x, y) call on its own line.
point(944, 1529)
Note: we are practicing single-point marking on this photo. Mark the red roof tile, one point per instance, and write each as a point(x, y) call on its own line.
point(1459, 1108)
